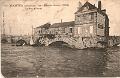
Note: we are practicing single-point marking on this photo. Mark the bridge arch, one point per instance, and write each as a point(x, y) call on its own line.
point(21, 42)
point(4, 40)
point(58, 43)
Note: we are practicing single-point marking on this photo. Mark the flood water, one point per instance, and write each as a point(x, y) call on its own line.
point(51, 61)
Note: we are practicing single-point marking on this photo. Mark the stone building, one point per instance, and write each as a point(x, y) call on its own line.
point(91, 22)
point(62, 29)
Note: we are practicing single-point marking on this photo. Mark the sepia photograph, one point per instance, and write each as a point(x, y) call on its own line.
point(60, 38)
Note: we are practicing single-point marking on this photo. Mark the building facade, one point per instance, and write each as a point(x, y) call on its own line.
point(92, 21)
point(56, 29)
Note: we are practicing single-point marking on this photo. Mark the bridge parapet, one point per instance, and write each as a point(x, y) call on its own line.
point(114, 41)
point(74, 42)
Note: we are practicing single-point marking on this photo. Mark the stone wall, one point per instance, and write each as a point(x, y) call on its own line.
point(100, 24)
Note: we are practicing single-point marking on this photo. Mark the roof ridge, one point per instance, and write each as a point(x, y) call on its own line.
point(69, 23)
point(91, 6)
point(64, 22)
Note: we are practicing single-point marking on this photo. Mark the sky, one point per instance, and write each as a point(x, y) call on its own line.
point(19, 15)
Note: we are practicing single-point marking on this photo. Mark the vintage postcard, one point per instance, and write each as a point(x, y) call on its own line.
point(60, 38)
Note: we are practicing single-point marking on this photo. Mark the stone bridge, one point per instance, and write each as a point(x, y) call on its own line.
point(24, 38)
point(82, 42)
point(114, 40)
point(15, 39)
point(73, 42)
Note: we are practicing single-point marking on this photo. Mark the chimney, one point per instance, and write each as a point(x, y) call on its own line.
point(104, 11)
point(99, 5)
point(79, 5)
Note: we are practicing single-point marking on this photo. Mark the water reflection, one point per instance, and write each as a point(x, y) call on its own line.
point(85, 62)
point(55, 62)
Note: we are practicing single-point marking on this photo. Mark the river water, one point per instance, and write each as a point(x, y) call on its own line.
point(51, 61)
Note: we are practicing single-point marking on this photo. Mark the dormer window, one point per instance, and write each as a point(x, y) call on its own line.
point(85, 8)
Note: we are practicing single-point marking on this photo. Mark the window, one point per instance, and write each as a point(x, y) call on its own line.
point(50, 32)
point(86, 30)
point(92, 16)
point(91, 29)
point(63, 30)
point(71, 30)
point(78, 15)
point(56, 33)
point(100, 26)
point(85, 8)
point(79, 30)
point(39, 31)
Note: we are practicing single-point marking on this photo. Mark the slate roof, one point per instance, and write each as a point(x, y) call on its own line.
point(63, 24)
point(55, 25)
point(47, 25)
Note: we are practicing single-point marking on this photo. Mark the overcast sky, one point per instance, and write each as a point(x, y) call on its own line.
point(21, 19)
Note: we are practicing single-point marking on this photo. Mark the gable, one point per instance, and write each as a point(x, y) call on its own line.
point(87, 6)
